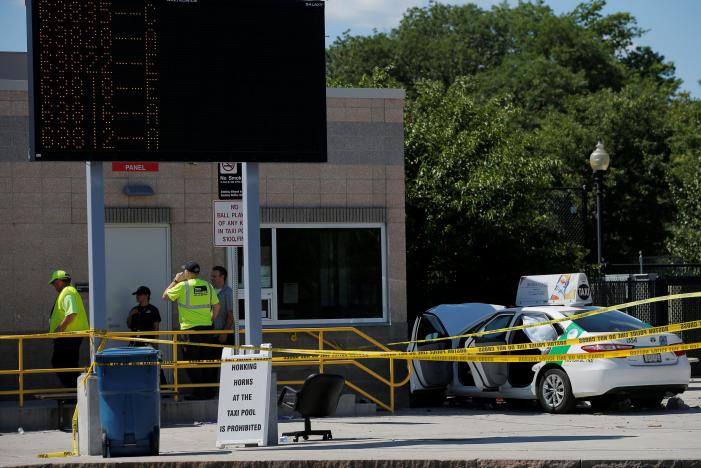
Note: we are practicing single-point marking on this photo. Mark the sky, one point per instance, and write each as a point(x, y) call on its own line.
point(672, 25)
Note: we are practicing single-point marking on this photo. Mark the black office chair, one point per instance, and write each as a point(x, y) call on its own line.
point(317, 398)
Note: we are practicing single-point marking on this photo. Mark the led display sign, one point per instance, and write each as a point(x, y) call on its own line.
point(177, 80)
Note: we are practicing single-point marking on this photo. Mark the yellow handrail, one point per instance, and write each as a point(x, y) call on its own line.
point(318, 333)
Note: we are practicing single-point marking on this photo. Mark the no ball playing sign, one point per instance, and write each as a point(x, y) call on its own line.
point(228, 223)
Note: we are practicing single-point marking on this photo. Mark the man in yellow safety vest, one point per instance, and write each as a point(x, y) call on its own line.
point(67, 315)
point(198, 306)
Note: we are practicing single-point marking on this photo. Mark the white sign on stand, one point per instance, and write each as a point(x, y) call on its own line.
point(244, 392)
point(228, 223)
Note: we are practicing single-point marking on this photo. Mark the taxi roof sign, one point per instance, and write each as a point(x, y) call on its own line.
point(563, 289)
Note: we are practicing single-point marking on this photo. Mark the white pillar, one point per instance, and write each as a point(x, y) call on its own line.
point(96, 246)
point(251, 254)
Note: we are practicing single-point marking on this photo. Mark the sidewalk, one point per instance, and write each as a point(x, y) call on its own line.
point(457, 433)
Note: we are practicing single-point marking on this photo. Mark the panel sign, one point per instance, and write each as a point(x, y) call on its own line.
point(134, 167)
point(228, 223)
point(230, 181)
point(177, 80)
point(244, 392)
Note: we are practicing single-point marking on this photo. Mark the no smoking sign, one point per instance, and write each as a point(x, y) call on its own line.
point(230, 181)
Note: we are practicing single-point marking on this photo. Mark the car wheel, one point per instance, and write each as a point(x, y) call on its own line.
point(653, 402)
point(555, 392)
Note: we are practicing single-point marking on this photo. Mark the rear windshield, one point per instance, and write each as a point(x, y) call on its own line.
point(613, 321)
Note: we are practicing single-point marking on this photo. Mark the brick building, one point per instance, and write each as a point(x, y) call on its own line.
point(332, 235)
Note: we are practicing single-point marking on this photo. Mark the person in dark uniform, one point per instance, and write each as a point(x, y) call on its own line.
point(145, 316)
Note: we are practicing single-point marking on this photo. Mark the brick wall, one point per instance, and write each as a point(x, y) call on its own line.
point(43, 209)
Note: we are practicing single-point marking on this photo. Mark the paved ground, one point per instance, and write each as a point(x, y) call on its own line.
point(465, 432)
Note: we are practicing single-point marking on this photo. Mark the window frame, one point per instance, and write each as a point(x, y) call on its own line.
point(544, 315)
point(482, 338)
point(274, 322)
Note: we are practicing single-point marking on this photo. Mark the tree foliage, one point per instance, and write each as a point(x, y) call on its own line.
point(684, 177)
point(505, 103)
point(474, 189)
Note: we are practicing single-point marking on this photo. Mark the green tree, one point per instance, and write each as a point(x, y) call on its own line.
point(684, 178)
point(473, 190)
point(632, 125)
point(505, 103)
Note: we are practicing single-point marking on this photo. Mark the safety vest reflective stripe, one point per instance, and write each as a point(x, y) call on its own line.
point(187, 304)
point(194, 304)
point(193, 307)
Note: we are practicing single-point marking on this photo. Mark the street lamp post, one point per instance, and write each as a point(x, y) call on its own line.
point(599, 161)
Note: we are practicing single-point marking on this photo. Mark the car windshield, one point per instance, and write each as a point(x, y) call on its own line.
point(613, 321)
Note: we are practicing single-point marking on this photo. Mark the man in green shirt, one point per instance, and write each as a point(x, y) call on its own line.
point(198, 306)
point(68, 314)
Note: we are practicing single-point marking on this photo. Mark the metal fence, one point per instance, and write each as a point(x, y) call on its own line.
point(566, 213)
point(617, 289)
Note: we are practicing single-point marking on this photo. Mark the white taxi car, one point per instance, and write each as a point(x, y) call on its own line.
point(556, 385)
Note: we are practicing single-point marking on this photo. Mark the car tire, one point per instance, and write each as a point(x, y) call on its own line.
point(555, 392)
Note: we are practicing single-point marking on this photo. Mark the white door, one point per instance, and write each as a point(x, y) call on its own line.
point(490, 376)
point(136, 255)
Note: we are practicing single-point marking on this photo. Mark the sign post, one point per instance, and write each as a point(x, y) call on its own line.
point(230, 182)
point(96, 248)
point(251, 255)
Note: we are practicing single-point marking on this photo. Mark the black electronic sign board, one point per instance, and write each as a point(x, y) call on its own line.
point(177, 80)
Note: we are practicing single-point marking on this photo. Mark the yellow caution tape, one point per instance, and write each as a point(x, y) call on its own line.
point(676, 327)
point(327, 354)
point(564, 319)
point(476, 354)
point(436, 355)
point(57, 454)
point(72, 334)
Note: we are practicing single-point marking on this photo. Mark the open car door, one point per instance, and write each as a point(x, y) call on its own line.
point(521, 374)
point(430, 374)
point(490, 375)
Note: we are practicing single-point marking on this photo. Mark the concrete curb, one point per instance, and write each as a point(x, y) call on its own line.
point(477, 463)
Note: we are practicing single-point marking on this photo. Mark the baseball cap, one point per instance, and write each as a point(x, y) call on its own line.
point(59, 274)
point(141, 290)
point(192, 267)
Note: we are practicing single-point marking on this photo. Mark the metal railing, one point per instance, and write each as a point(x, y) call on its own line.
point(320, 335)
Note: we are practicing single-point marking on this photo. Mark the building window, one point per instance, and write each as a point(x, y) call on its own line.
point(266, 260)
point(328, 273)
point(321, 273)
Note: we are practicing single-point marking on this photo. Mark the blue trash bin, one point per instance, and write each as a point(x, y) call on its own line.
point(130, 401)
